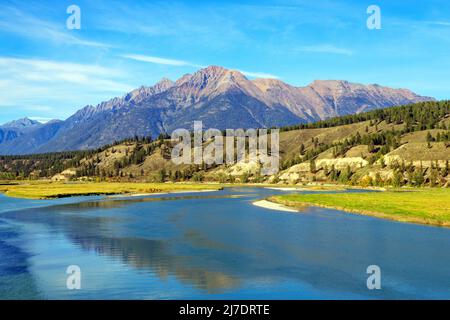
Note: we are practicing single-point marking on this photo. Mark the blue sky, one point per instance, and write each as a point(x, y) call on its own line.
point(48, 71)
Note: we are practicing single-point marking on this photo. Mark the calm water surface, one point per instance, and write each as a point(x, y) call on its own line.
point(213, 245)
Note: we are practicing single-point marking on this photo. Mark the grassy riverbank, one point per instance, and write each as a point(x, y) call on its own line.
point(45, 189)
point(425, 206)
point(49, 190)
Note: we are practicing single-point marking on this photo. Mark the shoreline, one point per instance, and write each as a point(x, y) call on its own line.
point(285, 188)
point(368, 213)
point(121, 195)
point(55, 190)
point(273, 206)
point(315, 188)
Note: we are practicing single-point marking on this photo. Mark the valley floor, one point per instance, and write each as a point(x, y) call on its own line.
point(416, 205)
point(424, 205)
point(43, 189)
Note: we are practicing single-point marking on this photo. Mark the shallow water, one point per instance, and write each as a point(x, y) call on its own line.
point(213, 245)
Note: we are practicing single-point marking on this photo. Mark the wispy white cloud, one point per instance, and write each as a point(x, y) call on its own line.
point(159, 60)
point(38, 108)
point(439, 23)
point(258, 74)
point(52, 88)
point(13, 20)
point(182, 63)
point(38, 71)
point(50, 66)
point(325, 48)
point(174, 20)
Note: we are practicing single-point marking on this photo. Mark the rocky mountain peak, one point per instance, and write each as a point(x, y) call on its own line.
point(21, 123)
point(212, 70)
point(208, 83)
point(144, 92)
point(163, 85)
point(202, 78)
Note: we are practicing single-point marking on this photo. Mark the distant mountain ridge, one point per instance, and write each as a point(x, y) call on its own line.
point(14, 129)
point(219, 97)
point(21, 123)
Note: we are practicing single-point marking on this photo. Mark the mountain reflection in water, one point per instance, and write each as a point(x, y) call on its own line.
point(214, 245)
point(139, 253)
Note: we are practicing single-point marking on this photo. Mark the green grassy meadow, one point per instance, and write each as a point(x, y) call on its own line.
point(426, 205)
point(49, 190)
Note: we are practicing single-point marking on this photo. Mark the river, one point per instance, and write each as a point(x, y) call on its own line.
point(213, 245)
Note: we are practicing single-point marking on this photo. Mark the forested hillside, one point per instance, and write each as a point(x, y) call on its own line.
point(393, 146)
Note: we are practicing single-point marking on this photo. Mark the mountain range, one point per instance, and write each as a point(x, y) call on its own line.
point(219, 97)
